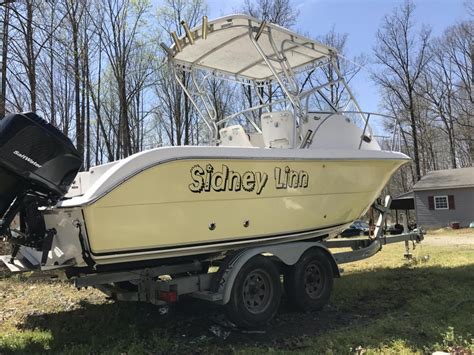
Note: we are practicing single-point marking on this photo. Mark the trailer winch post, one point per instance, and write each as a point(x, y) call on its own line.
point(384, 210)
point(365, 248)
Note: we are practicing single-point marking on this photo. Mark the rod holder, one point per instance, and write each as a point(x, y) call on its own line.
point(167, 49)
point(204, 27)
point(260, 30)
point(177, 42)
point(189, 35)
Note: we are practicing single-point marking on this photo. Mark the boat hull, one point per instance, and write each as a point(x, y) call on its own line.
point(192, 206)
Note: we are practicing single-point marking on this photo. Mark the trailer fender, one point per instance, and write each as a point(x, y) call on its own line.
point(289, 254)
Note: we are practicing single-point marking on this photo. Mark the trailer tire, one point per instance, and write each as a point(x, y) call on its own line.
point(256, 293)
point(308, 283)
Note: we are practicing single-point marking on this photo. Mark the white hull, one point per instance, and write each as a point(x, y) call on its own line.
point(154, 205)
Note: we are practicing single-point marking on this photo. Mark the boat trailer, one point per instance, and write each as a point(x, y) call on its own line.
point(244, 277)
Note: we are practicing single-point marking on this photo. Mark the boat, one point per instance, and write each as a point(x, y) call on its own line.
point(293, 167)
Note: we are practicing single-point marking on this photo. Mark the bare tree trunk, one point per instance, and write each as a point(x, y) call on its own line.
point(65, 117)
point(30, 54)
point(124, 124)
point(97, 107)
point(403, 55)
point(74, 18)
point(177, 113)
point(52, 103)
point(82, 79)
point(77, 93)
point(186, 115)
point(3, 64)
point(86, 96)
point(414, 133)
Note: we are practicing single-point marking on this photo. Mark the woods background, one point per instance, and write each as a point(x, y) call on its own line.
point(95, 70)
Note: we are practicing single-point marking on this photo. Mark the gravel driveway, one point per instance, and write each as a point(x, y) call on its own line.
point(441, 240)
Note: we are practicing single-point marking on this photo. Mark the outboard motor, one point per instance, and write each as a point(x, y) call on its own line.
point(37, 166)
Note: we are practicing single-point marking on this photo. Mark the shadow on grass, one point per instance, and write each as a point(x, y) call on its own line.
point(373, 309)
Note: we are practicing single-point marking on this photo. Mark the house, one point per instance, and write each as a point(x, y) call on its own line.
point(445, 196)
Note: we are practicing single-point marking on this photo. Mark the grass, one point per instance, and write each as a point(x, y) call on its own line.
point(380, 305)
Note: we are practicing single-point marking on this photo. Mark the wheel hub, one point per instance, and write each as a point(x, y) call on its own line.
point(313, 280)
point(257, 291)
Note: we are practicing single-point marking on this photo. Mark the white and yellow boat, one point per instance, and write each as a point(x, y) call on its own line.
point(292, 173)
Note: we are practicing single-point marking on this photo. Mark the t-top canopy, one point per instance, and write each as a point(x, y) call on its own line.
point(227, 47)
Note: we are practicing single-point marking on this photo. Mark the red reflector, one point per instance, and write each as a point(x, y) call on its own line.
point(168, 296)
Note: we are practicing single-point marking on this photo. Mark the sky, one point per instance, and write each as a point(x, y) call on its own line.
point(360, 19)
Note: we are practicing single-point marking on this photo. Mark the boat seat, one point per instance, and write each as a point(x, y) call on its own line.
point(257, 140)
point(277, 128)
point(234, 136)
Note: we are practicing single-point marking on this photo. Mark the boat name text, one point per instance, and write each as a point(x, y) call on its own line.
point(208, 178)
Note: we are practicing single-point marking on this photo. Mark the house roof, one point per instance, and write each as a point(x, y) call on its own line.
point(446, 179)
point(405, 196)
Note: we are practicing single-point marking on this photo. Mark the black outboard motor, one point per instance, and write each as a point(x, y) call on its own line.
point(37, 166)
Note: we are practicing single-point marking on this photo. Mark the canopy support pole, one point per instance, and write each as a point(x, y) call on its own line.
point(209, 123)
point(290, 96)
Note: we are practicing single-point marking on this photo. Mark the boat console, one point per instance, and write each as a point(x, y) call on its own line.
point(277, 129)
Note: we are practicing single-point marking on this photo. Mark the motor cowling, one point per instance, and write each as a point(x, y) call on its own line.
point(38, 163)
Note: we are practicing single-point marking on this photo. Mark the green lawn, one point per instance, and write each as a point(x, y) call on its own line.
point(380, 305)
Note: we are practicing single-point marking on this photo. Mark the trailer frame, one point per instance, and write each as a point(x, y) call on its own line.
point(214, 280)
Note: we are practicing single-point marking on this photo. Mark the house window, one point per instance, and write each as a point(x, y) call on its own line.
point(441, 202)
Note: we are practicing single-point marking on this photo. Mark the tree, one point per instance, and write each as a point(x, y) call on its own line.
point(449, 88)
point(94, 69)
point(75, 12)
point(403, 54)
point(337, 93)
point(280, 12)
point(178, 114)
point(120, 29)
point(4, 54)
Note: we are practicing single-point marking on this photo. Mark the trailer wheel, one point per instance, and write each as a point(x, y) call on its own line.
point(308, 283)
point(256, 293)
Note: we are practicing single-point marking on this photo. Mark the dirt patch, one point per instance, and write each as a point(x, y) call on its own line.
point(193, 319)
point(4, 248)
point(449, 232)
point(193, 323)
